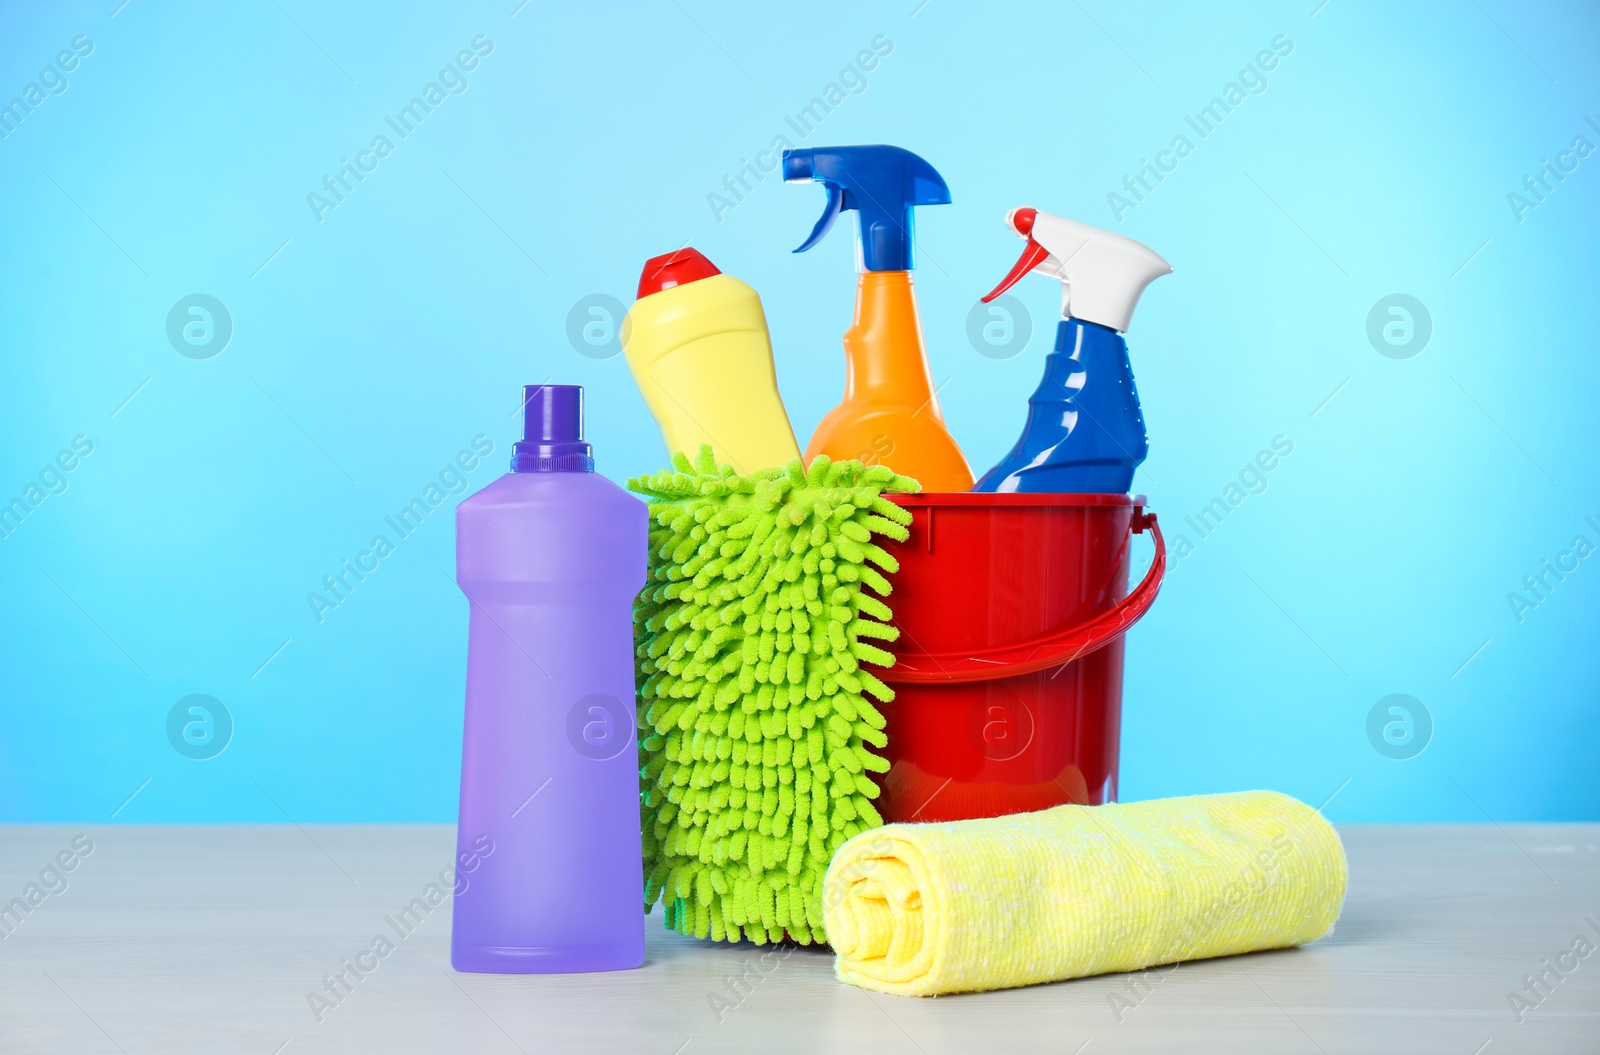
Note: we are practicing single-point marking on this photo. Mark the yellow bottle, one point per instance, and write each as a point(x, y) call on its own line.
point(696, 341)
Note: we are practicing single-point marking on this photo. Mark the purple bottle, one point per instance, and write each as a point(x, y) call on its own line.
point(548, 869)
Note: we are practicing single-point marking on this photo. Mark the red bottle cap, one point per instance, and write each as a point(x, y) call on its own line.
point(676, 268)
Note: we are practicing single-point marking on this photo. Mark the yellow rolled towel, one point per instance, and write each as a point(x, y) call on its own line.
point(959, 906)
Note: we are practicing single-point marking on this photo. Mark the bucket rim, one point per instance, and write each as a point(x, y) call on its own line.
point(988, 500)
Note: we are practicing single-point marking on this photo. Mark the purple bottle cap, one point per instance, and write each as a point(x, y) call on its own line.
point(552, 432)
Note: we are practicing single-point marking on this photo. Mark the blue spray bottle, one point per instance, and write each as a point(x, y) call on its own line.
point(1085, 433)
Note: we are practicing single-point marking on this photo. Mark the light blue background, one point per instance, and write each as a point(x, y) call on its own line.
point(378, 342)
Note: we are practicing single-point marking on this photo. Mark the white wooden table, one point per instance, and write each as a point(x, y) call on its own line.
point(208, 939)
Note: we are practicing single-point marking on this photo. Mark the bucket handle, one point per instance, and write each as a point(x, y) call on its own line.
point(1052, 650)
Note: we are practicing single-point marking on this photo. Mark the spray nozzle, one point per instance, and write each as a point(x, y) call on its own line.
point(1101, 274)
point(882, 184)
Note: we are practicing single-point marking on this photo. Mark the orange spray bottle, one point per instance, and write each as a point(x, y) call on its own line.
point(890, 411)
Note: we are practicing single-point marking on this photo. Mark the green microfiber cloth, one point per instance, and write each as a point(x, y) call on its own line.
point(755, 723)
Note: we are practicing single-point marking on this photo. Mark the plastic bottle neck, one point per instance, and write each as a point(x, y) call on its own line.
point(1080, 346)
point(552, 432)
point(885, 361)
point(1073, 335)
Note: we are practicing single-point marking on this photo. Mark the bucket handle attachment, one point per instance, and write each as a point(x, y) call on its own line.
point(1054, 649)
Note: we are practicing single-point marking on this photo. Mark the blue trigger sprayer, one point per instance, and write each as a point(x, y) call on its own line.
point(1085, 432)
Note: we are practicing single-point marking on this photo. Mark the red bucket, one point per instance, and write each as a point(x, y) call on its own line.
point(1008, 670)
